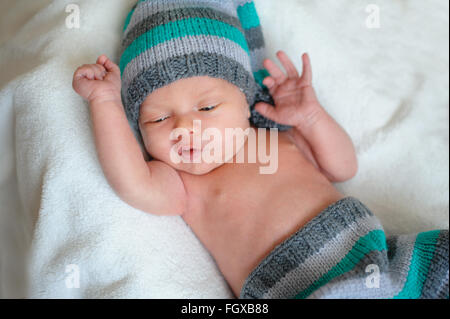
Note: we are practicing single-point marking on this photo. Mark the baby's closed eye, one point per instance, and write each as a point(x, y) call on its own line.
point(153, 119)
point(161, 119)
point(208, 108)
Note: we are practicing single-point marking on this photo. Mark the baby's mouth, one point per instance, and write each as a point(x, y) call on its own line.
point(190, 154)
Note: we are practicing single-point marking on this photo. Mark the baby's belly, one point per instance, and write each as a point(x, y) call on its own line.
point(246, 216)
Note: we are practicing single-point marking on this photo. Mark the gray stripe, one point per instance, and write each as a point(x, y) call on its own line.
point(147, 8)
point(240, 3)
point(190, 45)
point(436, 283)
point(393, 273)
point(255, 38)
point(161, 18)
point(257, 59)
point(186, 66)
point(400, 257)
point(320, 263)
point(307, 241)
point(353, 285)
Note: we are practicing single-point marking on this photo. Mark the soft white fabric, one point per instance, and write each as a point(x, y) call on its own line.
point(387, 87)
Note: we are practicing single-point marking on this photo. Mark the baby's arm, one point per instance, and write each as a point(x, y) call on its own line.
point(140, 184)
point(332, 147)
point(296, 105)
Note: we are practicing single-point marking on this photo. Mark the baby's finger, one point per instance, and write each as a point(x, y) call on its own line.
point(85, 71)
point(275, 71)
point(109, 65)
point(267, 111)
point(269, 82)
point(101, 59)
point(288, 65)
point(99, 71)
point(81, 79)
point(307, 70)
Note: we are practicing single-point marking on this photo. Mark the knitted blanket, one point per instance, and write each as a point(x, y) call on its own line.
point(344, 253)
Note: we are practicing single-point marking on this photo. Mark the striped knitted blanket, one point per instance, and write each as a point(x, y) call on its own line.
point(344, 253)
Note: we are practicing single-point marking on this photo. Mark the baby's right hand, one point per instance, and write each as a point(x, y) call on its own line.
point(98, 82)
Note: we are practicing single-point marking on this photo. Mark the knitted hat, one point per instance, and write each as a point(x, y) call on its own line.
point(168, 40)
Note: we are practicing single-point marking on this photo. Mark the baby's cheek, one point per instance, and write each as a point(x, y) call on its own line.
point(159, 146)
point(147, 139)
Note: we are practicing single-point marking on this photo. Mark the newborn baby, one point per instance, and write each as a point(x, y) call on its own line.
point(278, 234)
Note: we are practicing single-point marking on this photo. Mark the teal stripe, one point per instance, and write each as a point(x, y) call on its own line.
point(374, 240)
point(178, 29)
point(248, 16)
point(423, 252)
point(260, 76)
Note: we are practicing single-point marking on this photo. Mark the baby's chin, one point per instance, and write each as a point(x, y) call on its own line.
point(196, 168)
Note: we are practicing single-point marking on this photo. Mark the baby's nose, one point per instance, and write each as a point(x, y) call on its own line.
point(191, 126)
point(189, 123)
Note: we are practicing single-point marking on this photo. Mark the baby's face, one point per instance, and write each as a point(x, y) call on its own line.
point(215, 102)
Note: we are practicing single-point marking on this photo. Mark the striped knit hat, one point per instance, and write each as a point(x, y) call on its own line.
point(168, 40)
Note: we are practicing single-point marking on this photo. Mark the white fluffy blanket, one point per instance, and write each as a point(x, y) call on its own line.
point(60, 222)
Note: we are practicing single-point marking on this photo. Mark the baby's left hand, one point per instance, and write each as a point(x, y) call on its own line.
point(294, 96)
